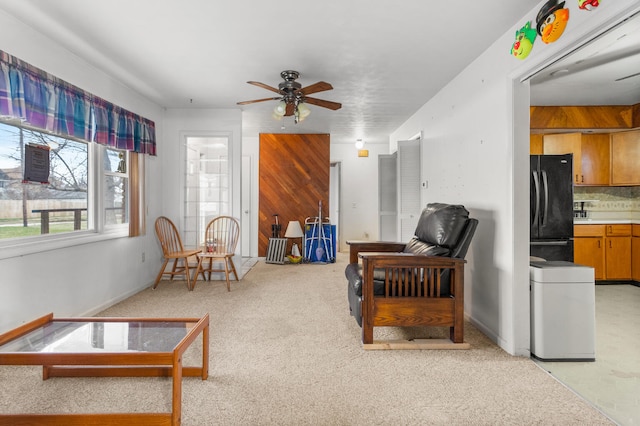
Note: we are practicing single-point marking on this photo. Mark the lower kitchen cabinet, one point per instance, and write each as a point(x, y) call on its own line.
point(618, 258)
point(606, 248)
point(635, 253)
point(589, 251)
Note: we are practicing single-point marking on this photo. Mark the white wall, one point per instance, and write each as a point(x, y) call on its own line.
point(359, 191)
point(476, 153)
point(84, 279)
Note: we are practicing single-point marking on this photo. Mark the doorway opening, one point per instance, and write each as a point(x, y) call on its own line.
point(207, 191)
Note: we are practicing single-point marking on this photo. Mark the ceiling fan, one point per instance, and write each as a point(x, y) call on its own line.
point(293, 97)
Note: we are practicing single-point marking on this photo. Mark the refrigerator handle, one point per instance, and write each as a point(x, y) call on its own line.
point(545, 183)
point(536, 185)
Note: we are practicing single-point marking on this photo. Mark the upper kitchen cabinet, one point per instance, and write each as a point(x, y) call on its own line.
point(596, 150)
point(590, 155)
point(535, 144)
point(625, 158)
point(565, 143)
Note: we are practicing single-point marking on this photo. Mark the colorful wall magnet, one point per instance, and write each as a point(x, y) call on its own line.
point(588, 4)
point(552, 20)
point(525, 37)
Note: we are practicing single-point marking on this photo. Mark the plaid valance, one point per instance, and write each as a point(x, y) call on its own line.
point(44, 101)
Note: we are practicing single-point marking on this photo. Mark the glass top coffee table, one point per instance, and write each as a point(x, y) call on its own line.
point(107, 347)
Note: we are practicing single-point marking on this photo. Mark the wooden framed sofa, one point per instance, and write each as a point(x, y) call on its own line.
point(419, 283)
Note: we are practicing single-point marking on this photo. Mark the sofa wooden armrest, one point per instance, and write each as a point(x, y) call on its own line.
point(412, 295)
point(356, 247)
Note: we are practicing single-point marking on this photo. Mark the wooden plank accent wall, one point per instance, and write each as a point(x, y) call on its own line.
point(584, 117)
point(293, 177)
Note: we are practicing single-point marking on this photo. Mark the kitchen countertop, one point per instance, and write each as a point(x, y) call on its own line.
point(588, 221)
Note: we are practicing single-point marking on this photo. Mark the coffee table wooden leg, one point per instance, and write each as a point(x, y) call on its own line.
point(205, 352)
point(176, 412)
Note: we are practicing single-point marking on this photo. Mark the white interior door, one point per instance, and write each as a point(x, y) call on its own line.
point(334, 200)
point(388, 197)
point(246, 207)
point(409, 204)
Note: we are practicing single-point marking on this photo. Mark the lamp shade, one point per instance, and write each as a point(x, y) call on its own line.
point(294, 230)
point(303, 110)
point(280, 109)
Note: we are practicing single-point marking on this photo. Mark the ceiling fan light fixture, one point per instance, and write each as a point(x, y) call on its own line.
point(280, 109)
point(303, 110)
point(293, 98)
point(359, 144)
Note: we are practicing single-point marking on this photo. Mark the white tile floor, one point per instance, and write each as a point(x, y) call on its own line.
point(612, 382)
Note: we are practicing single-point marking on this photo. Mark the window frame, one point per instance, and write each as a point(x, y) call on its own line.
point(102, 222)
point(97, 229)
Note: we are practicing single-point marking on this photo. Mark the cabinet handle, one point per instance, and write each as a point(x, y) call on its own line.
point(577, 180)
point(599, 244)
point(610, 244)
point(582, 178)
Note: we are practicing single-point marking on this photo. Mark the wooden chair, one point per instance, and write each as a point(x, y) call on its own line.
point(172, 249)
point(221, 239)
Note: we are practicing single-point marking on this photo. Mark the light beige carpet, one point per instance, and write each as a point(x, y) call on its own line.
point(285, 351)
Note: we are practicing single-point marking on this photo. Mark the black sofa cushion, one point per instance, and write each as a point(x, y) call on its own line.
point(417, 246)
point(441, 224)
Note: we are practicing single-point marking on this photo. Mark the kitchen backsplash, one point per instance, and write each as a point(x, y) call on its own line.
point(613, 202)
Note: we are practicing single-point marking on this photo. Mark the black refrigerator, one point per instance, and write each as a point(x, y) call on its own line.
point(551, 207)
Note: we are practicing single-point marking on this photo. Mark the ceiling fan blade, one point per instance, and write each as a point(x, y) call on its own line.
point(320, 86)
point(290, 110)
point(257, 100)
point(325, 104)
point(264, 86)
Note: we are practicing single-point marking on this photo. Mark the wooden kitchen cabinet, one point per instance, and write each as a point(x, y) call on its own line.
point(606, 248)
point(617, 252)
point(535, 144)
point(588, 248)
point(635, 253)
point(618, 258)
point(625, 157)
point(595, 154)
point(591, 155)
point(566, 143)
point(589, 251)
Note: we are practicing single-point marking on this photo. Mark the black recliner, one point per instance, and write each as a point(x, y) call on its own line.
point(401, 270)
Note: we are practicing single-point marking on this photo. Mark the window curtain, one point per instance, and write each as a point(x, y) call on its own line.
point(137, 224)
point(48, 103)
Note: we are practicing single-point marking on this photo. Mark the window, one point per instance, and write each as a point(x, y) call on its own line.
point(69, 203)
point(34, 208)
point(70, 167)
point(116, 185)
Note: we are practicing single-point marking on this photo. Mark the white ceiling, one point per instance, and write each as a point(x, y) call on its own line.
point(385, 59)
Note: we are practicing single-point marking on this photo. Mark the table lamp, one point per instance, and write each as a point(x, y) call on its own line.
point(294, 230)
